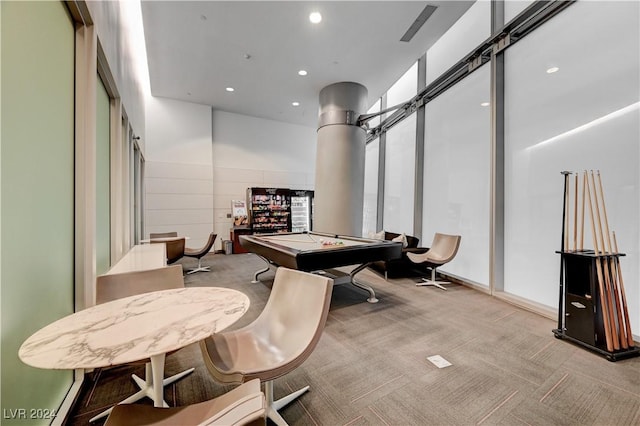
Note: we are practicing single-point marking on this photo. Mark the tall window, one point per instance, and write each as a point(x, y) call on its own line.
point(572, 105)
point(103, 176)
point(405, 88)
point(399, 177)
point(137, 178)
point(513, 7)
point(370, 210)
point(468, 32)
point(371, 172)
point(456, 173)
point(399, 171)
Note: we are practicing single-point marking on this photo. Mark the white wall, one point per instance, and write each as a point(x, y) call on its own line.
point(250, 151)
point(178, 175)
point(198, 161)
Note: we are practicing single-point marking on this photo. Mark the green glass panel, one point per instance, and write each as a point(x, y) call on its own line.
point(103, 204)
point(37, 197)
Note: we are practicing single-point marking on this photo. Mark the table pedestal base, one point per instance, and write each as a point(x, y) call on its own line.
point(148, 388)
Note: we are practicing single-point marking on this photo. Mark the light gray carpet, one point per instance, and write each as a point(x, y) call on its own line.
point(371, 367)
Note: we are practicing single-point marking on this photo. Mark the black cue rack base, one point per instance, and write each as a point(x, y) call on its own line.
point(610, 356)
point(582, 321)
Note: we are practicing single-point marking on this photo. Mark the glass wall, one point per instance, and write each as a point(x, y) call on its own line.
point(572, 97)
point(457, 166)
point(572, 102)
point(371, 172)
point(399, 169)
point(466, 34)
point(370, 211)
point(399, 177)
point(405, 88)
point(37, 203)
point(513, 7)
point(103, 176)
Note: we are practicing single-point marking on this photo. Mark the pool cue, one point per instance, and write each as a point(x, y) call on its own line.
point(603, 305)
point(613, 280)
point(562, 254)
point(622, 326)
point(605, 266)
point(289, 240)
point(575, 217)
point(567, 214)
point(625, 310)
point(584, 187)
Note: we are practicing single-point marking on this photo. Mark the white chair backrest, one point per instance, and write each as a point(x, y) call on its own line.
point(117, 286)
point(444, 247)
point(296, 311)
point(162, 235)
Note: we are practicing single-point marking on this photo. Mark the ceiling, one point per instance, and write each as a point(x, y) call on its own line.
point(196, 50)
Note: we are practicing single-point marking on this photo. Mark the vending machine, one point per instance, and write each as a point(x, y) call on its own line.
point(301, 210)
point(269, 209)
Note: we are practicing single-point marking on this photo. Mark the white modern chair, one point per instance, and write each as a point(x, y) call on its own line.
point(174, 249)
point(278, 341)
point(443, 249)
point(200, 253)
point(154, 235)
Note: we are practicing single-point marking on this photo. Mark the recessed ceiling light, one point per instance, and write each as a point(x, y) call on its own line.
point(315, 17)
point(552, 70)
point(203, 17)
point(230, 89)
point(295, 103)
point(302, 72)
point(485, 104)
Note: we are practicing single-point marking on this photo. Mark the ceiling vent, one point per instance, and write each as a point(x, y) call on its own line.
point(418, 23)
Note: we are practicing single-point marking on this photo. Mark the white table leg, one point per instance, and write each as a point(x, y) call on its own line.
point(151, 387)
point(157, 368)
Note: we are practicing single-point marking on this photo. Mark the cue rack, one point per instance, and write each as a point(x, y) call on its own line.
point(592, 309)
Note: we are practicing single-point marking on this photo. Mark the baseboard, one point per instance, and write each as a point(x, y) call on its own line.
point(520, 302)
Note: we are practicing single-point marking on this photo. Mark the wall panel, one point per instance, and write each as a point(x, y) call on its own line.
point(37, 194)
point(178, 173)
point(254, 152)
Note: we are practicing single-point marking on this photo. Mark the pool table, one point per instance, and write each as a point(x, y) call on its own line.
point(319, 253)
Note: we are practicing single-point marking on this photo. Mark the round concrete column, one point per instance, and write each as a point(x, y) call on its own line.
point(339, 187)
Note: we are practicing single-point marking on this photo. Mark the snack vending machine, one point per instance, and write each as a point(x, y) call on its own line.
point(301, 210)
point(269, 209)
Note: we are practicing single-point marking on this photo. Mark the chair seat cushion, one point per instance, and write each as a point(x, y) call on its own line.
point(239, 354)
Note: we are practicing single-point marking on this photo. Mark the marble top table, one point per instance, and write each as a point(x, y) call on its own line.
point(162, 239)
point(135, 328)
point(141, 257)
